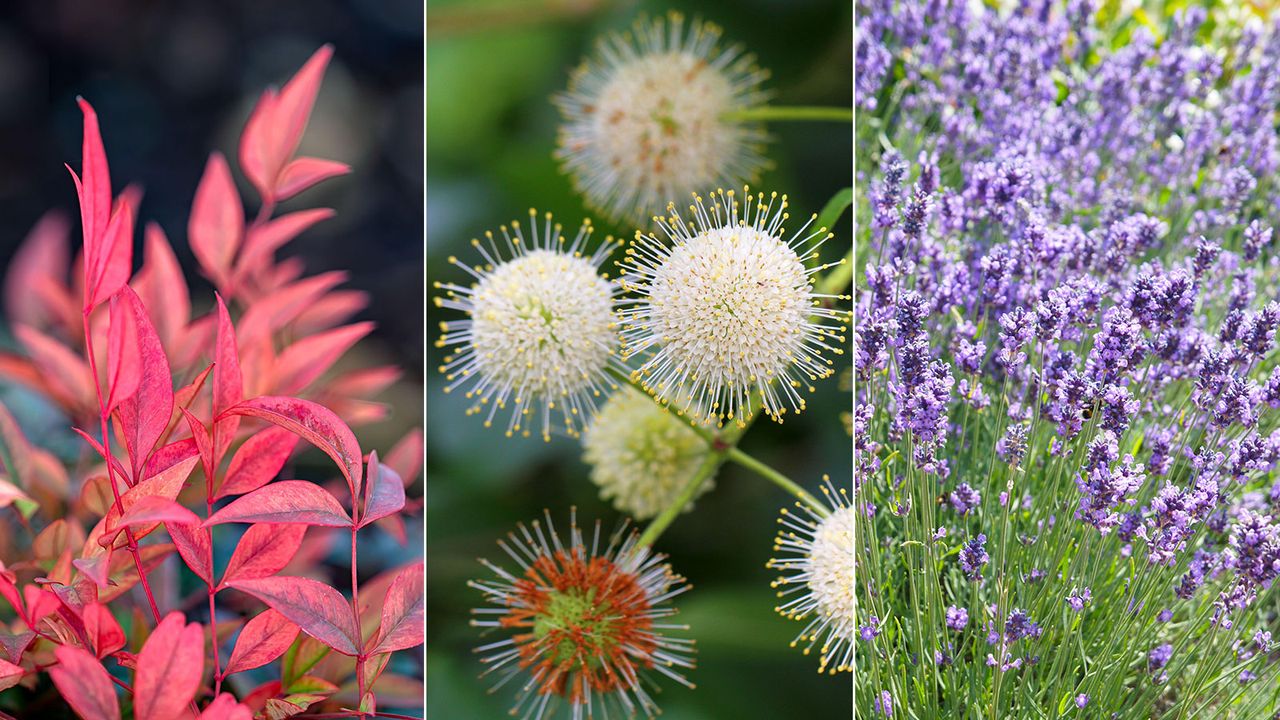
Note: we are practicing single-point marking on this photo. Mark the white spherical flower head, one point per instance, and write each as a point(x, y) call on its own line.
point(818, 584)
point(641, 455)
point(540, 332)
point(650, 118)
point(726, 308)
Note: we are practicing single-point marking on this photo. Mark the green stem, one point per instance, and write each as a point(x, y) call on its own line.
point(704, 473)
point(778, 479)
point(767, 113)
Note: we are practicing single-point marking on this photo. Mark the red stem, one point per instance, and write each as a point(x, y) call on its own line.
point(111, 475)
point(213, 623)
point(355, 601)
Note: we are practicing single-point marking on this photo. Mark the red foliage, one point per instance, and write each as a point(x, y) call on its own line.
point(178, 413)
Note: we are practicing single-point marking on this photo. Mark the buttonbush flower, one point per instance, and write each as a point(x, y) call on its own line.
point(541, 332)
point(641, 455)
point(726, 307)
point(584, 622)
point(649, 118)
point(817, 580)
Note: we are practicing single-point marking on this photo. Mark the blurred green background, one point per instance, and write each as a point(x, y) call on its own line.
point(492, 66)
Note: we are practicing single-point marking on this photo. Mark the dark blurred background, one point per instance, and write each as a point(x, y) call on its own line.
point(174, 80)
point(492, 67)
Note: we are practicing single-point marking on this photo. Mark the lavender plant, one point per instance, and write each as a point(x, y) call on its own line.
point(1066, 378)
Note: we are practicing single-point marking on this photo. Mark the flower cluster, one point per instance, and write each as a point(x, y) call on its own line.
point(1066, 334)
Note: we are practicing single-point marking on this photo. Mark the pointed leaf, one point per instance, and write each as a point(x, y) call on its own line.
point(172, 454)
point(228, 383)
point(114, 264)
point(84, 684)
point(263, 240)
point(163, 288)
point(305, 172)
point(204, 444)
point(170, 666)
point(144, 415)
point(385, 492)
point(192, 542)
point(263, 639)
point(407, 455)
point(217, 221)
point(287, 501)
point(264, 550)
point(304, 361)
point(403, 613)
point(41, 260)
point(258, 461)
point(102, 629)
point(151, 510)
point(62, 368)
point(13, 646)
point(314, 423)
point(318, 609)
point(95, 188)
point(10, 674)
point(225, 707)
point(282, 306)
point(124, 367)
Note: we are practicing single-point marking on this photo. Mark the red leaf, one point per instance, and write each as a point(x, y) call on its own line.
point(314, 423)
point(124, 367)
point(144, 415)
point(61, 367)
point(165, 484)
point(41, 260)
point(103, 630)
point(95, 191)
point(257, 461)
point(10, 674)
point(193, 545)
point(111, 270)
point(163, 288)
point(282, 306)
point(287, 501)
point(406, 457)
point(304, 361)
point(203, 443)
point(403, 614)
point(169, 455)
point(170, 666)
point(262, 240)
point(154, 509)
point(225, 707)
point(274, 129)
point(14, 646)
point(318, 609)
point(228, 383)
point(305, 172)
point(84, 684)
point(384, 492)
point(263, 639)
point(217, 222)
point(264, 550)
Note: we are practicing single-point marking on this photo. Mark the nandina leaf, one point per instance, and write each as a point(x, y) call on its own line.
point(277, 709)
point(14, 645)
point(330, 311)
point(228, 382)
point(305, 653)
point(403, 613)
point(163, 288)
point(172, 454)
point(84, 684)
point(165, 485)
point(10, 674)
point(274, 129)
point(203, 443)
point(192, 542)
point(217, 222)
point(151, 510)
point(304, 172)
point(406, 457)
point(287, 501)
point(384, 492)
point(257, 461)
point(304, 361)
point(144, 415)
point(170, 666)
point(270, 313)
point(124, 367)
point(317, 425)
point(263, 639)
point(262, 240)
point(97, 567)
point(318, 609)
point(62, 369)
point(264, 550)
point(102, 629)
point(114, 264)
point(95, 190)
point(41, 261)
point(225, 707)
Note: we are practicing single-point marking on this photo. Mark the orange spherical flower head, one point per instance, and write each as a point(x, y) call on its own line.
point(585, 622)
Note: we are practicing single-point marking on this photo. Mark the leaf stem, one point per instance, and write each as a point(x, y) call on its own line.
point(777, 478)
point(767, 113)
